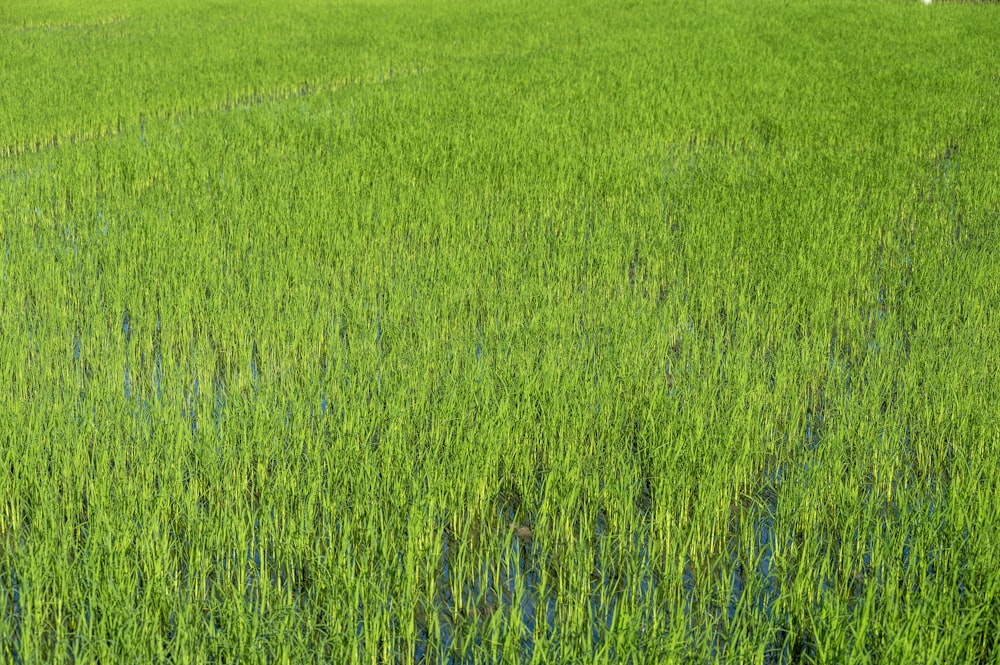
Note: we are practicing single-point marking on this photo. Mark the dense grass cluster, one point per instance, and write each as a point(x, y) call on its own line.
point(307, 308)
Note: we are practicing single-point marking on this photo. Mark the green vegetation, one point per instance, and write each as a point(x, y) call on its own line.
point(307, 308)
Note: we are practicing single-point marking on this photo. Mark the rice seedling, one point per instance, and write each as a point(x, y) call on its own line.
point(499, 332)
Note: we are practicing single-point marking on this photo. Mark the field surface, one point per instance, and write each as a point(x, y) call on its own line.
point(388, 332)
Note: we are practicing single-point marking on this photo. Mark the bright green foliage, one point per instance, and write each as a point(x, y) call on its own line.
point(303, 304)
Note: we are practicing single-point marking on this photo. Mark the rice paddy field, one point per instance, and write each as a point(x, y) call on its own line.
point(383, 331)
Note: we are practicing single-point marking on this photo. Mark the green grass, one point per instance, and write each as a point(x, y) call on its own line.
point(303, 305)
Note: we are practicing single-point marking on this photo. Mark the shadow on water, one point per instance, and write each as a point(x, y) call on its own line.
point(512, 586)
point(746, 590)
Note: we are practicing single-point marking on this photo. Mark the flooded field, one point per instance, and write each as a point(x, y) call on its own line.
point(498, 333)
